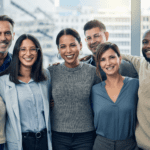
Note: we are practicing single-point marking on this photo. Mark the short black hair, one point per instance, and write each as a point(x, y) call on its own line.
point(93, 24)
point(145, 33)
point(68, 31)
point(14, 68)
point(6, 18)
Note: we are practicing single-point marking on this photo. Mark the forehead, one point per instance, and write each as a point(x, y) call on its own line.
point(147, 36)
point(27, 43)
point(93, 31)
point(5, 26)
point(66, 39)
point(109, 52)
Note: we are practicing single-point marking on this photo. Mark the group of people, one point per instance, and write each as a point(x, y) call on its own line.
point(100, 101)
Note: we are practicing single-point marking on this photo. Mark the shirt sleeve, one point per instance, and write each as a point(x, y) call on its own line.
point(135, 60)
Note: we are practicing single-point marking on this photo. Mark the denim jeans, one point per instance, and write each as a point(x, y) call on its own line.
point(34, 143)
point(73, 141)
point(1, 146)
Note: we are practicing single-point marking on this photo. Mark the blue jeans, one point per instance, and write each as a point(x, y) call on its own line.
point(73, 141)
point(1, 146)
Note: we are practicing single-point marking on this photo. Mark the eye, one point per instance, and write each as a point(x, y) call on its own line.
point(112, 57)
point(145, 42)
point(7, 33)
point(88, 38)
point(96, 35)
point(73, 45)
point(22, 49)
point(33, 49)
point(102, 59)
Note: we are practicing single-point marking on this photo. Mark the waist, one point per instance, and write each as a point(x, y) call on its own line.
point(33, 134)
point(128, 140)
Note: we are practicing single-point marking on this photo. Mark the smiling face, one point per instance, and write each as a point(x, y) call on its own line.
point(6, 36)
point(27, 53)
point(94, 37)
point(69, 49)
point(146, 47)
point(110, 62)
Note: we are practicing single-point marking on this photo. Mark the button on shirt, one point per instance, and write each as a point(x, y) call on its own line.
point(6, 62)
point(30, 107)
point(116, 121)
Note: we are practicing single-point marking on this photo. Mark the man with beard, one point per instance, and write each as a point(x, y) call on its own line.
point(142, 66)
point(95, 32)
point(6, 37)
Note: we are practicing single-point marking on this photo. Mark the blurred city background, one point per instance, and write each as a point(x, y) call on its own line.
point(45, 18)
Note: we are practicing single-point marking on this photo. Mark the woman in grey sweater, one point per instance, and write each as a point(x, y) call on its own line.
point(72, 117)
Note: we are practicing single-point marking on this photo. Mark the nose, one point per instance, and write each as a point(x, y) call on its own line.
point(28, 52)
point(2, 37)
point(107, 62)
point(68, 49)
point(93, 40)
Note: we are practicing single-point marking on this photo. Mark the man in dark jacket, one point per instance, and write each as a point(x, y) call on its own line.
point(95, 33)
point(6, 37)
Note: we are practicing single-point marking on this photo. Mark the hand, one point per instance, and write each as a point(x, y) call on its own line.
point(55, 64)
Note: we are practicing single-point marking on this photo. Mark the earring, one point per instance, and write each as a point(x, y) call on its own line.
point(58, 55)
point(81, 52)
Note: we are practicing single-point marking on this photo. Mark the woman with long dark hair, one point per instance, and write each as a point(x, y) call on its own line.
point(24, 87)
point(71, 116)
point(114, 103)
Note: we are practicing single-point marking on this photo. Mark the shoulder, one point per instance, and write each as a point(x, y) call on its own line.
point(46, 73)
point(85, 58)
point(134, 82)
point(53, 67)
point(98, 87)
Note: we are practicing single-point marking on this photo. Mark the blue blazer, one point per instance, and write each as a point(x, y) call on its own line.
point(13, 126)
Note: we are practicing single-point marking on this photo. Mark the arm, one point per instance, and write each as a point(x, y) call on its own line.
point(135, 60)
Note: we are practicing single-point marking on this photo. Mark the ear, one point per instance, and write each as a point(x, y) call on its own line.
point(13, 35)
point(58, 49)
point(85, 40)
point(80, 46)
point(107, 35)
point(120, 58)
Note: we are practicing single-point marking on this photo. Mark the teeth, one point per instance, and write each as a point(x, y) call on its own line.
point(3, 44)
point(110, 68)
point(148, 52)
point(69, 56)
point(28, 58)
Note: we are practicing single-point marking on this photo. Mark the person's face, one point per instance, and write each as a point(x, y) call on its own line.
point(110, 62)
point(146, 47)
point(27, 53)
point(6, 36)
point(94, 37)
point(69, 49)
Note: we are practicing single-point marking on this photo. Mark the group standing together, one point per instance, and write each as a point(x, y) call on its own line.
point(101, 102)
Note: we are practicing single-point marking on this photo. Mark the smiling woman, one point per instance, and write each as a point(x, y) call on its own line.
point(72, 118)
point(24, 87)
point(114, 103)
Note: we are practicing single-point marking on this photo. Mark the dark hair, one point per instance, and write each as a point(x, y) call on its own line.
point(6, 18)
point(14, 68)
point(102, 48)
point(93, 24)
point(145, 33)
point(68, 31)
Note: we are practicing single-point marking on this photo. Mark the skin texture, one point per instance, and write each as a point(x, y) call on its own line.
point(6, 37)
point(69, 49)
point(110, 62)
point(94, 37)
point(146, 47)
point(27, 54)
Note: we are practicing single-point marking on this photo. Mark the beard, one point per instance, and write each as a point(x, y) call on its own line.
point(144, 54)
point(7, 47)
point(93, 47)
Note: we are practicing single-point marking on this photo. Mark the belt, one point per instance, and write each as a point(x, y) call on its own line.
point(36, 135)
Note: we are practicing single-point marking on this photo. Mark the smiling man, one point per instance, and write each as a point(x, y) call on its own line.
point(6, 37)
point(142, 66)
point(95, 33)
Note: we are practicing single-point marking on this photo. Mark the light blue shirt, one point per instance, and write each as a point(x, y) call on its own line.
point(30, 107)
point(116, 121)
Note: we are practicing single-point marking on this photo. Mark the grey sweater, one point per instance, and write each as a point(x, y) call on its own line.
point(71, 89)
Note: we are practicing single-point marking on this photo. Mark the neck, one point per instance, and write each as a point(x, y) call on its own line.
point(25, 72)
point(114, 80)
point(72, 65)
point(2, 58)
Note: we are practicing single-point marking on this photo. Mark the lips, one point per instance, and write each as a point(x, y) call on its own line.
point(28, 59)
point(69, 56)
point(110, 68)
point(3, 44)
